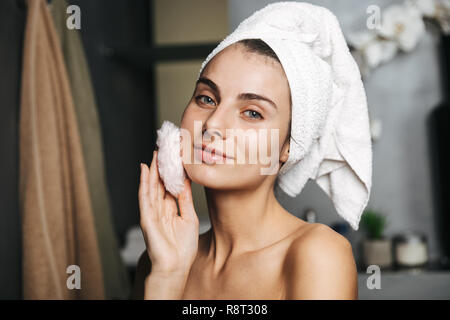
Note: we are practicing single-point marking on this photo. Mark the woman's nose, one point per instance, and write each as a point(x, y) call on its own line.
point(217, 123)
point(212, 134)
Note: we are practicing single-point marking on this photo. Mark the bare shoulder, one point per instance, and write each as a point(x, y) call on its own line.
point(319, 264)
point(317, 237)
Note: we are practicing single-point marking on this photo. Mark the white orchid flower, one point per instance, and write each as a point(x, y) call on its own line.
point(426, 7)
point(359, 40)
point(442, 15)
point(403, 24)
point(379, 52)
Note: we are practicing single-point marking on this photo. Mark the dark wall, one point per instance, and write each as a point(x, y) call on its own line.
point(12, 19)
point(123, 96)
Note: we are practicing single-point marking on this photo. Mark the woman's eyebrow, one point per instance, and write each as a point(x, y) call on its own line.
point(210, 84)
point(254, 96)
point(242, 96)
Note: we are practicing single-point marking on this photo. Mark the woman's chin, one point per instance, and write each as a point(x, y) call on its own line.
point(210, 176)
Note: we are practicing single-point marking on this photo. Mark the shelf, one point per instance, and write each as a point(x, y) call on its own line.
point(400, 285)
point(145, 56)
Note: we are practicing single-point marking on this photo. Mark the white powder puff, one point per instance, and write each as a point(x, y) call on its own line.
point(170, 165)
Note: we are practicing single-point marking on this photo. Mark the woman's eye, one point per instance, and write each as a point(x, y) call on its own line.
point(254, 114)
point(204, 99)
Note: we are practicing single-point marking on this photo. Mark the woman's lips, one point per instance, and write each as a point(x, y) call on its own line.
point(210, 155)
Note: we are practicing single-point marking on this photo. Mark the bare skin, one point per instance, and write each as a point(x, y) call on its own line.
point(310, 261)
point(255, 249)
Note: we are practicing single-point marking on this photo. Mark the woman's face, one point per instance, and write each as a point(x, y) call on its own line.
point(241, 105)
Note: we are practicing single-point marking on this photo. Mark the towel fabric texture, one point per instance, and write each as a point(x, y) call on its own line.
point(330, 135)
point(58, 226)
point(116, 282)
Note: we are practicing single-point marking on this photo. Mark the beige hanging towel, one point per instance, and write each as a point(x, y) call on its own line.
point(116, 281)
point(57, 220)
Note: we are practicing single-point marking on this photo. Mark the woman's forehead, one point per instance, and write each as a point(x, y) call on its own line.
point(234, 68)
point(238, 55)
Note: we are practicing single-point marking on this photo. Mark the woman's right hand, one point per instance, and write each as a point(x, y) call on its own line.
point(171, 239)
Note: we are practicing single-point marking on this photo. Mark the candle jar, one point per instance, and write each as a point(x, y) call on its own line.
point(378, 252)
point(410, 250)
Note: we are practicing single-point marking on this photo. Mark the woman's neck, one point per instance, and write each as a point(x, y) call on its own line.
point(244, 221)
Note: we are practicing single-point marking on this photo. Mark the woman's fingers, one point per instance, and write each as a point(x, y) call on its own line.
point(157, 189)
point(166, 203)
point(171, 204)
point(144, 188)
point(185, 201)
point(153, 181)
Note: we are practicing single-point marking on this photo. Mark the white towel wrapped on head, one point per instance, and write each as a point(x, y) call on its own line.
point(330, 135)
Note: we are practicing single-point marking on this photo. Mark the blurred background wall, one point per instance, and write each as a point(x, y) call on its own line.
point(12, 20)
point(123, 96)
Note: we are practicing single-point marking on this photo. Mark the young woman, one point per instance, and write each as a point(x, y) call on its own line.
point(255, 249)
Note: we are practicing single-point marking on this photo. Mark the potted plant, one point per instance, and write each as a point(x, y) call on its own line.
point(377, 249)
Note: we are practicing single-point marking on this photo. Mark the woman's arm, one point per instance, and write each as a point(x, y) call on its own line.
point(164, 286)
point(320, 265)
